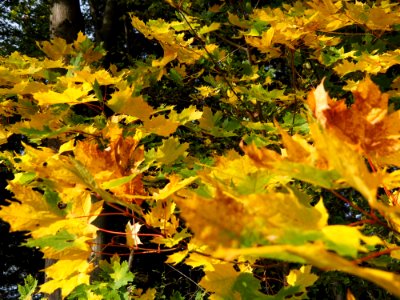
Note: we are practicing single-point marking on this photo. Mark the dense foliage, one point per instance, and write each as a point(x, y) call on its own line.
point(261, 148)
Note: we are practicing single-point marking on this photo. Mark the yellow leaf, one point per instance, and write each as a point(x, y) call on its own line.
point(318, 256)
point(4, 134)
point(102, 76)
point(206, 29)
point(68, 146)
point(197, 260)
point(150, 294)
point(302, 277)
point(170, 151)
point(349, 239)
point(177, 257)
point(227, 283)
point(72, 95)
point(234, 19)
point(186, 115)
point(349, 164)
point(207, 91)
point(66, 274)
point(160, 125)
point(174, 185)
point(122, 102)
point(211, 218)
point(25, 87)
point(56, 49)
point(366, 126)
point(265, 43)
point(32, 214)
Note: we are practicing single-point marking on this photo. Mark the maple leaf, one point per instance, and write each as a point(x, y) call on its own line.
point(174, 185)
point(227, 283)
point(132, 238)
point(375, 18)
point(318, 256)
point(350, 164)
point(71, 95)
point(265, 43)
point(101, 76)
point(121, 273)
point(122, 102)
point(60, 241)
point(25, 87)
point(186, 115)
point(207, 91)
point(169, 151)
point(209, 122)
point(312, 168)
point(206, 29)
point(177, 257)
point(160, 125)
point(66, 274)
point(30, 215)
point(209, 218)
point(301, 277)
point(174, 44)
point(56, 49)
point(366, 125)
point(201, 259)
point(117, 166)
point(373, 64)
point(172, 241)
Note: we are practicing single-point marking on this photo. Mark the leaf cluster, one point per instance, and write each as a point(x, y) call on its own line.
point(224, 152)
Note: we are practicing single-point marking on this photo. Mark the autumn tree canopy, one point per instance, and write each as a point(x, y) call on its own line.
point(257, 142)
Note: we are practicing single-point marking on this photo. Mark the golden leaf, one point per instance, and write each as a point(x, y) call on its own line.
point(66, 274)
point(160, 125)
point(72, 95)
point(56, 49)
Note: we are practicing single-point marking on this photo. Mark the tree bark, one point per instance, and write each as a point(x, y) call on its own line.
point(109, 20)
point(66, 19)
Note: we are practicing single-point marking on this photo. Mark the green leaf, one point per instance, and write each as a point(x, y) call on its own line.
point(176, 77)
point(254, 183)
point(119, 181)
point(53, 200)
point(170, 242)
point(60, 241)
point(24, 178)
point(228, 284)
point(36, 135)
point(170, 151)
point(210, 122)
point(176, 296)
point(120, 274)
point(27, 290)
point(295, 122)
point(97, 90)
point(310, 174)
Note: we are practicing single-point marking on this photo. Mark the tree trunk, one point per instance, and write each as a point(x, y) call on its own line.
point(110, 30)
point(66, 19)
point(96, 12)
point(107, 16)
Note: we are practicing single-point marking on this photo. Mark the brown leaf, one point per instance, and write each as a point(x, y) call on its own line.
point(365, 125)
